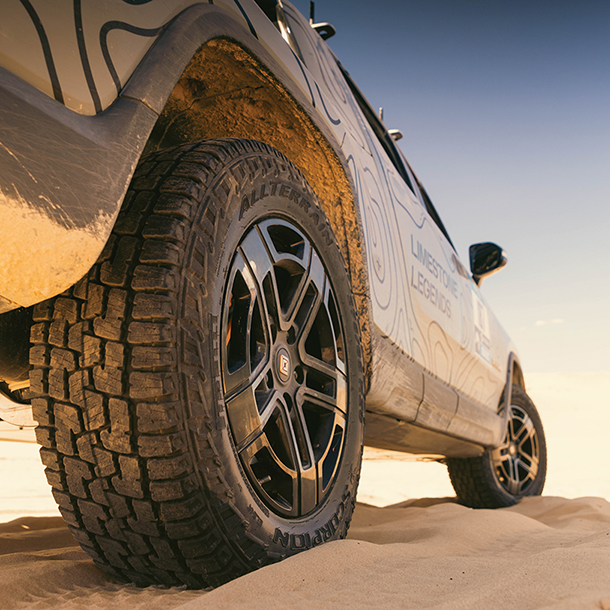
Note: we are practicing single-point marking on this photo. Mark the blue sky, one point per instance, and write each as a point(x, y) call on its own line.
point(505, 111)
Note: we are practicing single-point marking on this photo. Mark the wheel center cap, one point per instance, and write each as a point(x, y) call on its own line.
point(512, 449)
point(282, 364)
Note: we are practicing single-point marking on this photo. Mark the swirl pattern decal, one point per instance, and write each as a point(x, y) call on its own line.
point(82, 49)
point(46, 49)
point(90, 83)
point(119, 25)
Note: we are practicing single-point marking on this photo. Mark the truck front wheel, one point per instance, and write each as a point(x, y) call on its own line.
point(200, 393)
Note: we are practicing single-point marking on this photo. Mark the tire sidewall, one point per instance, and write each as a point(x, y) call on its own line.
point(287, 196)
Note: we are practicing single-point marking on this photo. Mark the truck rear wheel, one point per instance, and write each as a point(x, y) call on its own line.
point(502, 476)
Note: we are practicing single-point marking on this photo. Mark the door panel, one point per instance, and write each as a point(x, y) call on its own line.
point(421, 295)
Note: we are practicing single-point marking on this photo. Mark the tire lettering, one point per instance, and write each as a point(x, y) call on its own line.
point(281, 537)
point(299, 542)
point(294, 196)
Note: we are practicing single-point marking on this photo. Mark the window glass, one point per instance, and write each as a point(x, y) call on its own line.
point(430, 207)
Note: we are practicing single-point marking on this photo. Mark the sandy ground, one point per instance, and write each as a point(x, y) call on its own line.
point(410, 544)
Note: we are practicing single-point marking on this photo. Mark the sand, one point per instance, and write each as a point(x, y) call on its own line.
point(544, 553)
point(547, 552)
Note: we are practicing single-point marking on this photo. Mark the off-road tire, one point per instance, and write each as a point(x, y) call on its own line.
point(128, 387)
point(516, 469)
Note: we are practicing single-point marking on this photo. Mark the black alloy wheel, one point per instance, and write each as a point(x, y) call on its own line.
point(284, 368)
point(517, 460)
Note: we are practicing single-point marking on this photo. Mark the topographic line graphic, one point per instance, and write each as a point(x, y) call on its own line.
point(46, 50)
point(333, 121)
point(108, 27)
point(243, 12)
point(300, 64)
point(384, 263)
point(315, 42)
point(82, 49)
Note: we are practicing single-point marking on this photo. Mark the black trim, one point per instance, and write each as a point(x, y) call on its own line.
point(46, 50)
point(252, 30)
point(126, 27)
point(82, 49)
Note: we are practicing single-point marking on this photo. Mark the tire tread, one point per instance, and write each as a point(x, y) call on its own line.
point(113, 441)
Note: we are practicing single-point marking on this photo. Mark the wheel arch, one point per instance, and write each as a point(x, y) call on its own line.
point(518, 378)
point(226, 84)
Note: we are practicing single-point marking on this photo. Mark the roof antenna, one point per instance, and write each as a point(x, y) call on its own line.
point(326, 30)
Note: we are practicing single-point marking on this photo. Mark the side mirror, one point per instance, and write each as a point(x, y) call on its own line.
point(485, 259)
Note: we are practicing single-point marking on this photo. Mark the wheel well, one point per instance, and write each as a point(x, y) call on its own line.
point(518, 378)
point(226, 92)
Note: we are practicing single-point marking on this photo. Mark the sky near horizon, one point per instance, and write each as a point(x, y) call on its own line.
point(505, 111)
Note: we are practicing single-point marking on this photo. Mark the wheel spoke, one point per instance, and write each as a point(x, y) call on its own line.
point(325, 384)
point(317, 335)
point(305, 459)
point(527, 432)
point(309, 487)
point(514, 484)
point(247, 408)
point(290, 253)
point(275, 481)
point(329, 461)
point(530, 468)
point(518, 458)
point(286, 382)
point(323, 422)
point(284, 240)
point(308, 299)
point(316, 276)
point(255, 251)
point(246, 332)
point(511, 429)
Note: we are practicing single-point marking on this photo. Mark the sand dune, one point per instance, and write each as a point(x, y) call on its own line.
point(547, 552)
point(433, 553)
